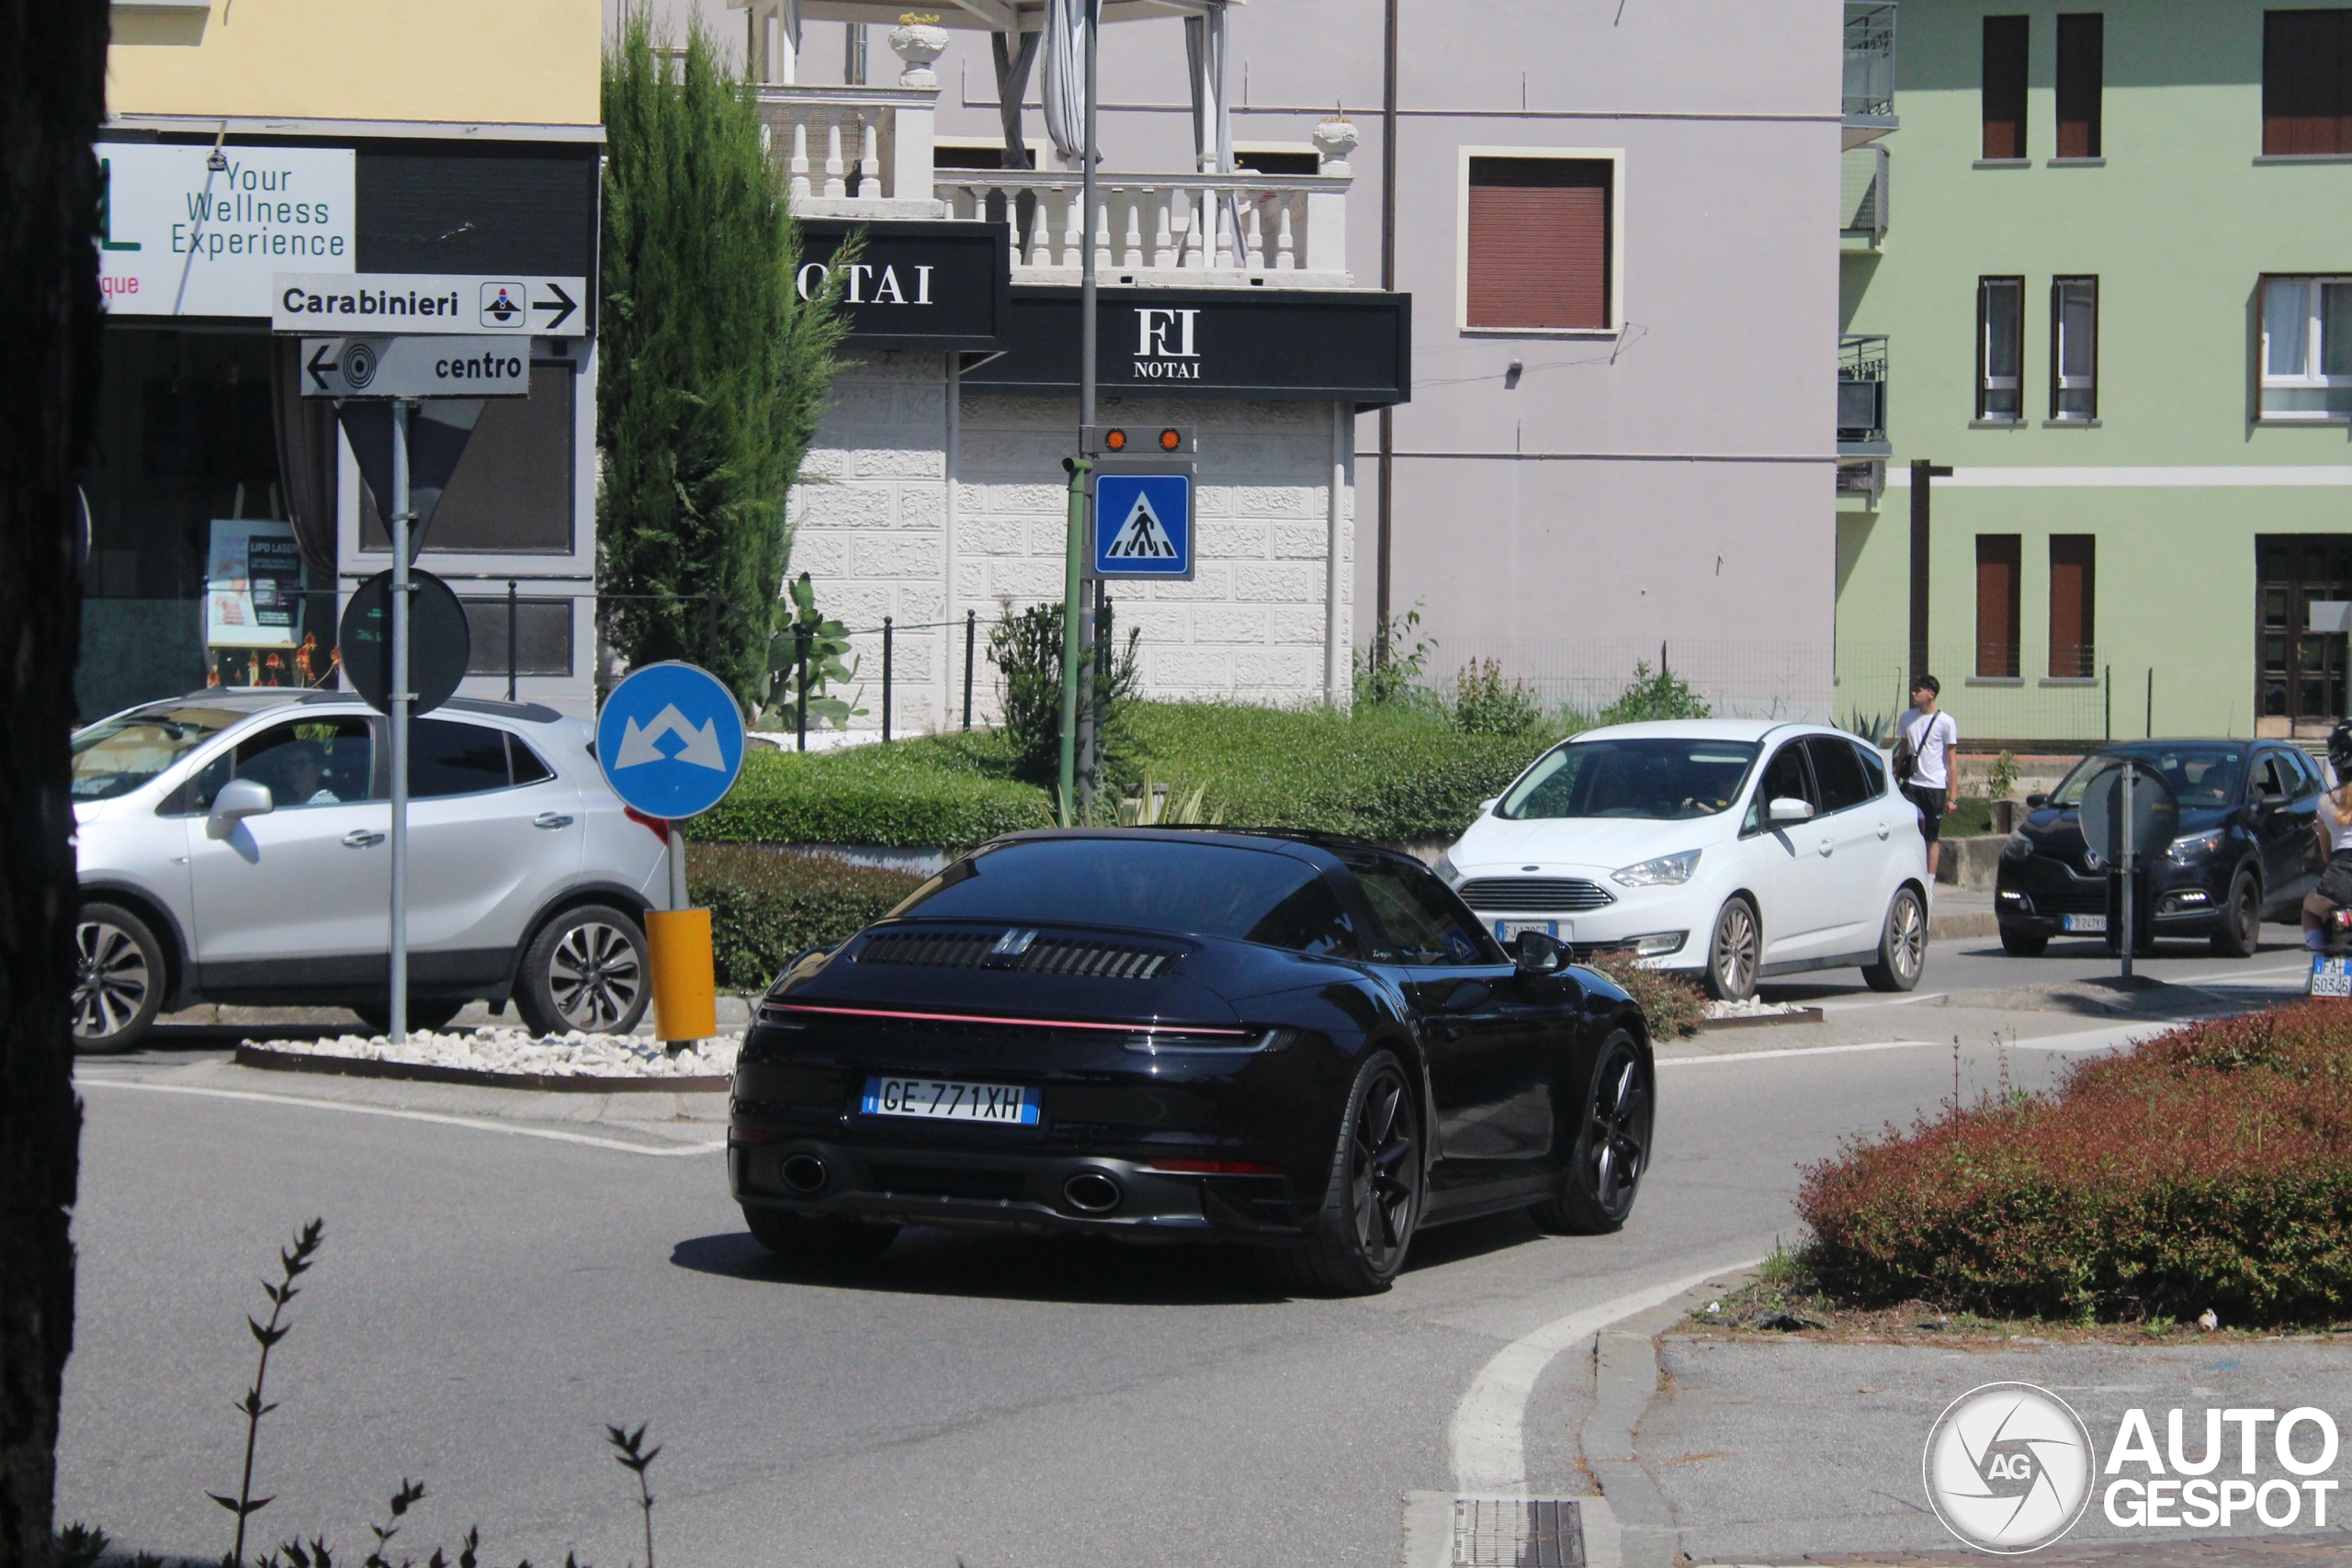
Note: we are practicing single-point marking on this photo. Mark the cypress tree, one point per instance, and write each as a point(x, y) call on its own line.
point(713, 370)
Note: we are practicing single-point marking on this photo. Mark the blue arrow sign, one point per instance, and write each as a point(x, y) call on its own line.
point(670, 740)
point(1143, 525)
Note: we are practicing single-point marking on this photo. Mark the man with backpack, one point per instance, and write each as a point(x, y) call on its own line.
point(1925, 764)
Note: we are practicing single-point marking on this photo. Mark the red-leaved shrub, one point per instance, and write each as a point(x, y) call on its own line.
point(2210, 1168)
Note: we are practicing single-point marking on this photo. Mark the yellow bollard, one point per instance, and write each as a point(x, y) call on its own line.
point(686, 1000)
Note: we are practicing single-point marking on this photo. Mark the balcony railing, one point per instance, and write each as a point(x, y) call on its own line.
point(854, 151)
point(1869, 70)
point(1862, 198)
point(1166, 228)
point(1862, 398)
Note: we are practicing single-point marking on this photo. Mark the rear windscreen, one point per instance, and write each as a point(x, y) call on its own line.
point(1200, 889)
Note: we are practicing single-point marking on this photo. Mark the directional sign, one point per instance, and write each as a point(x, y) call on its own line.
point(414, 368)
point(670, 740)
point(1143, 522)
point(439, 303)
point(440, 643)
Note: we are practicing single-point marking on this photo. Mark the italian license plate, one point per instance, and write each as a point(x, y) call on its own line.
point(947, 1099)
point(1506, 930)
point(2092, 923)
point(2330, 976)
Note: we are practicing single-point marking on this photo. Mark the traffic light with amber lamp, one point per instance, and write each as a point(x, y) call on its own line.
point(1118, 440)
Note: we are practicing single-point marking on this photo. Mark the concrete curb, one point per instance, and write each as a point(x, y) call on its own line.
point(420, 1072)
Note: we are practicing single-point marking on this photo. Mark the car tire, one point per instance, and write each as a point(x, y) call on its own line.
point(1612, 1148)
point(1734, 950)
point(1902, 944)
point(2020, 943)
point(1357, 1241)
point(429, 1016)
point(119, 985)
point(587, 969)
point(797, 1239)
point(2240, 935)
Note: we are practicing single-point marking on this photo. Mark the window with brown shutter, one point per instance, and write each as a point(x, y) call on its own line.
point(2005, 59)
point(2082, 67)
point(2073, 560)
point(2306, 82)
point(1538, 251)
point(1998, 557)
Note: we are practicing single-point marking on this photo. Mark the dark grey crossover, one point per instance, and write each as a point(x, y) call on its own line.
point(1301, 1042)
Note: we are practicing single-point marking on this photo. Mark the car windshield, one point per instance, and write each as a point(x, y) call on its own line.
point(1662, 779)
point(116, 756)
point(1204, 889)
point(2200, 776)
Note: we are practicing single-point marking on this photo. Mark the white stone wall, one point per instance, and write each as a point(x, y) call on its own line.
point(875, 529)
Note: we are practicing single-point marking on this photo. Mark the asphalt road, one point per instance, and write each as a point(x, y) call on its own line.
point(486, 1304)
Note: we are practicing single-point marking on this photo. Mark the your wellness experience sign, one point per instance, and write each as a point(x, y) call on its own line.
point(178, 237)
point(2011, 1468)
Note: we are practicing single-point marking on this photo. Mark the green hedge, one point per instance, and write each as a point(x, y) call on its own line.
point(934, 792)
point(766, 905)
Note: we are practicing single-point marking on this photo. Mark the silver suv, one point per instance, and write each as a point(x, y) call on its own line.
point(234, 847)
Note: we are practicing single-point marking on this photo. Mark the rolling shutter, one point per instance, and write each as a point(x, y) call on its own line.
point(1997, 560)
point(2306, 82)
point(1539, 243)
point(2005, 39)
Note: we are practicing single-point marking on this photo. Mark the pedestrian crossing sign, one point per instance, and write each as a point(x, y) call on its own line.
point(1143, 525)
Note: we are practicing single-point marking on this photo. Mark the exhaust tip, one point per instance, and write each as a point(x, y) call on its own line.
point(803, 1173)
point(1092, 1192)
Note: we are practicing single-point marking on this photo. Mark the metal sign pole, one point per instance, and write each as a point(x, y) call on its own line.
point(1076, 542)
point(2126, 862)
point(401, 698)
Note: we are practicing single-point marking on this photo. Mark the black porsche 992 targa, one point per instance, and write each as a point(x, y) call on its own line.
point(1299, 1041)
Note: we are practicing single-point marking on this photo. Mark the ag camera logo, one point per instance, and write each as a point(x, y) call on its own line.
point(2009, 1467)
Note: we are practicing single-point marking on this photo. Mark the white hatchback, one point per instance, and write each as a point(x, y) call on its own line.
point(1741, 849)
point(232, 848)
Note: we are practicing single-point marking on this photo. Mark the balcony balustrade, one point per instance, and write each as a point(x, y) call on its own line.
point(1862, 198)
point(1171, 230)
point(1870, 71)
point(1861, 397)
point(854, 151)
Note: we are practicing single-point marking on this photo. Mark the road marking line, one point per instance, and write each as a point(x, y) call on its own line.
point(478, 1126)
point(1488, 1434)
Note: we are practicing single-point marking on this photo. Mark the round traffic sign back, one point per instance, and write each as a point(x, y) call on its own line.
point(670, 740)
point(440, 643)
point(2156, 812)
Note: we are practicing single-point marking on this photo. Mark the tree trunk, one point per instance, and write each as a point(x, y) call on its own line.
point(52, 93)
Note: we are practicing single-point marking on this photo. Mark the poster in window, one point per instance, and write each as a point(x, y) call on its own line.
point(252, 585)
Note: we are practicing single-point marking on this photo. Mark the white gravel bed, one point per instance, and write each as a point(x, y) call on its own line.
point(487, 1050)
point(1751, 1008)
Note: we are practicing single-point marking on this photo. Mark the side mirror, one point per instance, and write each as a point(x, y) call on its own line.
point(1789, 808)
point(238, 799)
point(1538, 953)
point(2036, 802)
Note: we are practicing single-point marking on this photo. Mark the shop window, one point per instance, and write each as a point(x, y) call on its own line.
point(1998, 557)
point(2073, 560)
point(2073, 348)
point(2082, 67)
point(2000, 347)
point(2306, 82)
point(513, 490)
point(2307, 348)
point(542, 637)
point(1537, 244)
point(2005, 39)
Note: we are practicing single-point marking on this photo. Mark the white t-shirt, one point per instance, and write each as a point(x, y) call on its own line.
point(1931, 740)
point(2339, 829)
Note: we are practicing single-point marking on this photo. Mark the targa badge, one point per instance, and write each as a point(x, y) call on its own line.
point(2009, 1467)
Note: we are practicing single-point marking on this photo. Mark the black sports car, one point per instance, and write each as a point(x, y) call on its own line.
point(1304, 1042)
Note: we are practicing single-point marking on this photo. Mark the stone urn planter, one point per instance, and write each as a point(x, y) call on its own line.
point(918, 43)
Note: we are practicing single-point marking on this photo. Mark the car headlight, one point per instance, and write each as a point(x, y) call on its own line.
point(2020, 847)
point(1666, 871)
point(1447, 870)
point(2196, 846)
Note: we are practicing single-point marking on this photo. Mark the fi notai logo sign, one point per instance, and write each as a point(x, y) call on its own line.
point(2009, 1467)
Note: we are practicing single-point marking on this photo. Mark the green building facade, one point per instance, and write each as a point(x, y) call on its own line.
point(2102, 273)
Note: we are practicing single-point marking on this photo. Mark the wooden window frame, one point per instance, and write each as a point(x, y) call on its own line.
point(2086, 646)
point(1984, 359)
point(2057, 325)
point(2082, 44)
point(1985, 87)
point(2013, 648)
point(1615, 158)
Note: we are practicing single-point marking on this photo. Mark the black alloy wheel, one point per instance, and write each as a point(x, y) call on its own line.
point(1735, 952)
point(1356, 1245)
point(1613, 1145)
point(587, 969)
point(2240, 933)
point(118, 980)
point(797, 1239)
point(1902, 944)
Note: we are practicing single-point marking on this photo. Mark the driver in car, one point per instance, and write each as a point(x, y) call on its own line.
point(303, 776)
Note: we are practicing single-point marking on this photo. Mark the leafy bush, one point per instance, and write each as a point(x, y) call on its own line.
point(766, 905)
point(1672, 1007)
point(2211, 1168)
point(1026, 649)
point(1662, 695)
point(1399, 774)
point(829, 665)
point(950, 791)
point(1483, 705)
point(1387, 674)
